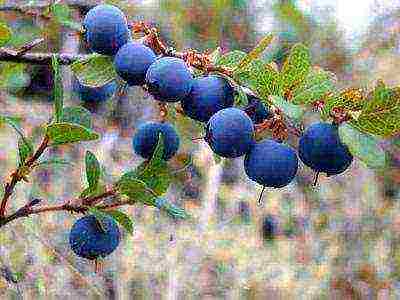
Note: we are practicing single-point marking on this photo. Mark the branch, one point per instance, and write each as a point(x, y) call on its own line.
point(67, 206)
point(17, 7)
point(10, 55)
point(19, 174)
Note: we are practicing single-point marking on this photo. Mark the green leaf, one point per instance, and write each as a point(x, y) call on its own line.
point(295, 68)
point(62, 14)
point(155, 173)
point(77, 115)
point(5, 34)
point(363, 146)
point(14, 123)
point(240, 97)
point(293, 112)
point(66, 133)
point(260, 77)
point(351, 99)
point(118, 216)
point(92, 170)
point(57, 89)
point(256, 52)
point(231, 59)
point(93, 192)
point(25, 149)
point(216, 55)
point(96, 71)
point(317, 84)
point(380, 115)
point(122, 219)
point(130, 185)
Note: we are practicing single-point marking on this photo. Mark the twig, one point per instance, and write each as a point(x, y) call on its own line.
point(10, 55)
point(67, 206)
point(18, 175)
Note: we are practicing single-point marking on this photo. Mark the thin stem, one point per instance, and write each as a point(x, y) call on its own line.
point(260, 202)
point(10, 55)
point(18, 176)
point(316, 179)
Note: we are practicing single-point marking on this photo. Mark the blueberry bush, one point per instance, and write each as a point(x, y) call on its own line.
point(245, 106)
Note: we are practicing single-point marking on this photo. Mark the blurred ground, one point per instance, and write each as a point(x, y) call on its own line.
point(339, 240)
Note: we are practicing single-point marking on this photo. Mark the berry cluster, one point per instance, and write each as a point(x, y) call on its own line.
point(209, 98)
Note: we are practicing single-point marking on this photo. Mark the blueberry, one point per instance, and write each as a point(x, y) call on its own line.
point(256, 110)
point(146, 138)
point(230, 133)
point(91, 239)
point(169, 79)
point(132, 61)
point(95, 94)
point(208, 95)
point(271, 164)
point(320, 149)
point(106, 29)
point(269, 228)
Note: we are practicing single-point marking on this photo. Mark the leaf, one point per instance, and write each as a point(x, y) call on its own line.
point(317, 84)
point(231, 59)
point(351, 99)
point(77, 115)
point(96, 71)
point(122, 219)
point(93, 192)
point(363, 146)
point(155, 173)
point(57, 89)
point(216, 55)
point(260, 77)
point(5, 34)
point(66, 133)
point(293, 112)
point(14, 123)
point(92, 170)
point(256, 52)
point(118, 216)
point(295, 68)
point(25, 149)
point(130, 185)
point(62, 14)
point(380, 115)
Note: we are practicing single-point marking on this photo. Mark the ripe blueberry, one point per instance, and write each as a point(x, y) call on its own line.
point(132, 61)
point(90, 239)
point(106, 29)
point(320, 149)
point(146, 138)
point(271, 164)
point(230, 133)
point(169, 79)
point(208, 95)
point(256, 110)
point(95, 94)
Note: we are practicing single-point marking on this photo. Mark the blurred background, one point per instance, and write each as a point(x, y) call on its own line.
point(339, 240)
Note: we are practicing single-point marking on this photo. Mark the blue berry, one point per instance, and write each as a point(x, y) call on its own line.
point(146, 138)
point(230, 133)
point(132, 62)
point(256, 110)
point(271, 164)
point(106, 29)
point(95, 94)
point(169, 79)
point(90, 239)
point(269, 228)
point(320, 149)
point(208, 95)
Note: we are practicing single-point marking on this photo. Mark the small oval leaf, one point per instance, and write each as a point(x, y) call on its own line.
point(66, 133)
point(92, 170)
point(363, 146)
point(77, 115)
